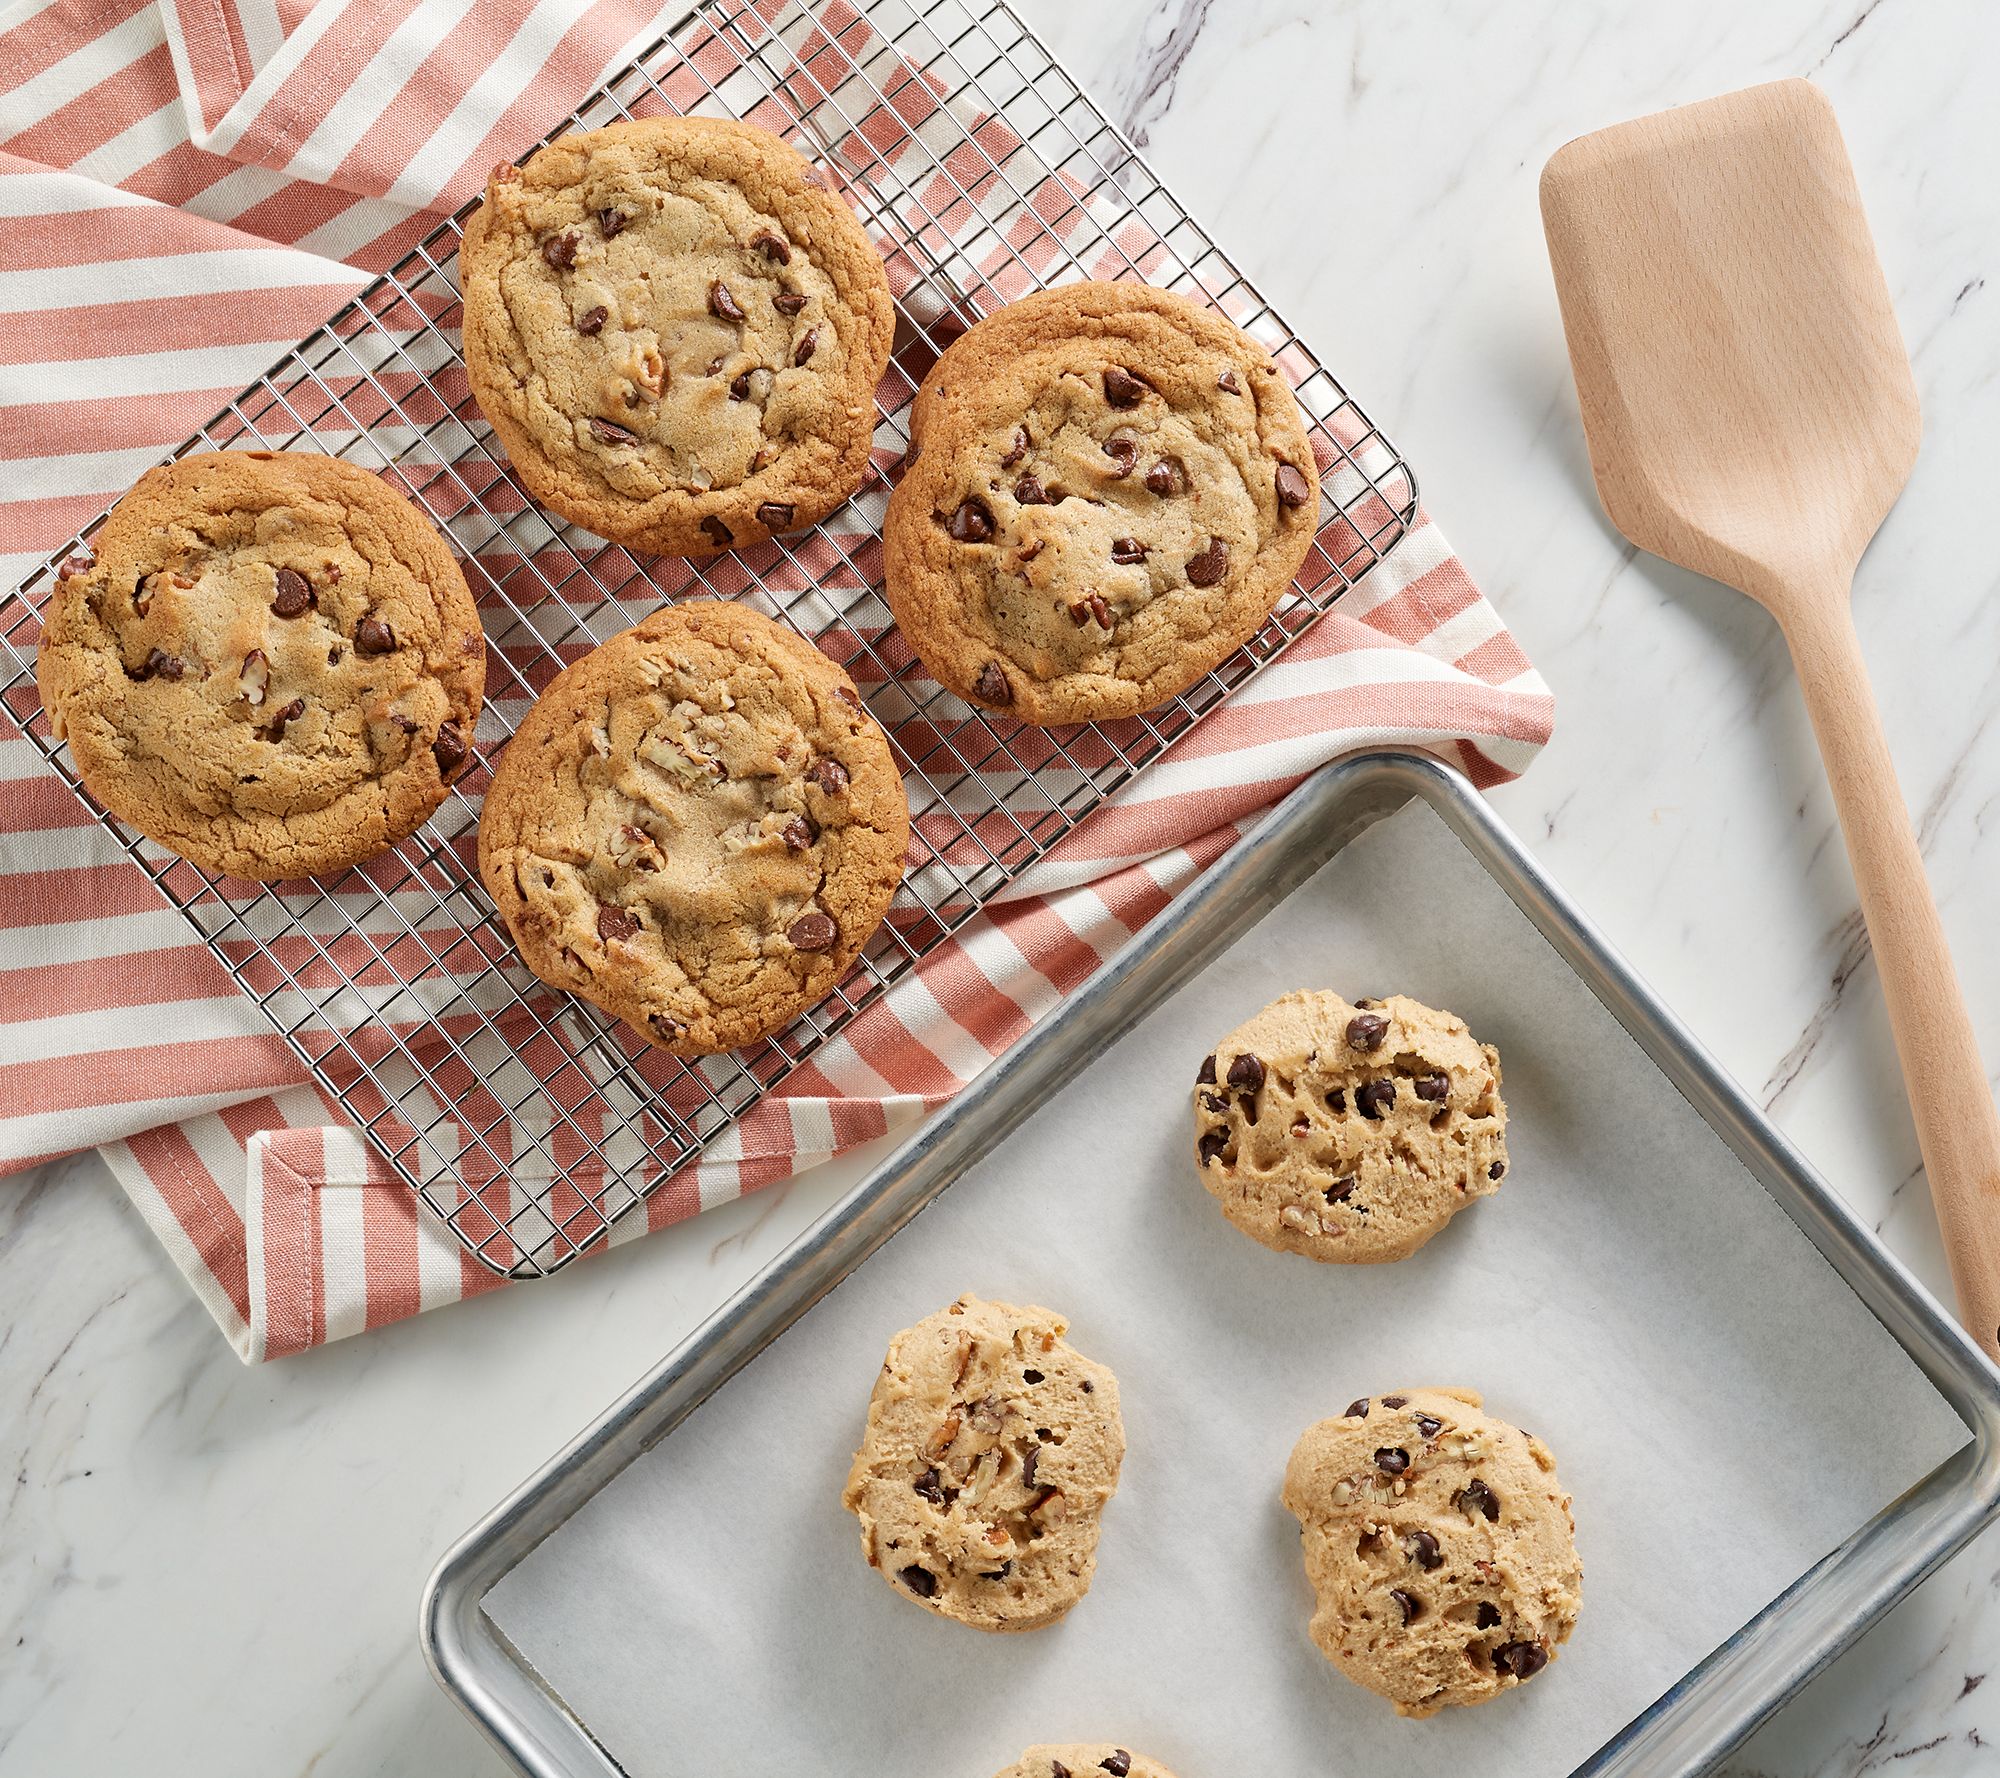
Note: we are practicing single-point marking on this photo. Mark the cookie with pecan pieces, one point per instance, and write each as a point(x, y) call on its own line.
point(1108, 490)
point(676, 329)
point(1349, 1133)
point(1440, 1546)
point(272, 666)
point(991, 1450)
point(698, 827)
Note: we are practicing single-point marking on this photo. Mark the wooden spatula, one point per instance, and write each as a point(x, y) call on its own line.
point(1751, 415)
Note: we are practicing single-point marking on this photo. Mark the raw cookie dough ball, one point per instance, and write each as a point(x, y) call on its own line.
point(992, 1447)
point(1349, 1133)
point(1440, 1546)
point(1084, 1760)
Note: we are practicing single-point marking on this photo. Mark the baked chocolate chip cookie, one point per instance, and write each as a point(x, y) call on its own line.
point(1349, 1133)
point(1439, 1545)
point(1108, 490)
point(272, 667)
point(697, 827)
point(676, 329)
point(991, 1450)
point(1084, 1760)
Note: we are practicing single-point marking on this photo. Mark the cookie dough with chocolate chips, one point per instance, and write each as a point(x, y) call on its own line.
point(1108, 490)
point(697, 827)
point(271, 666)
point(1349, 1133)
point(991, 1449)
point(1439, 1545)
point(676, 329)
point(1084, 1760)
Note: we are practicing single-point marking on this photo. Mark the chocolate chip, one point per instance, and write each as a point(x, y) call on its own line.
point(1246, 1072)
point(1337, 1098)
point(1432, 1086)
point(1428, 1426)
point(1001, 1573)
point(373, 636)
point(1366, 1030)
point(1122, 388)
point(611, 222)
point(1210, 1147)
point(931, 1486)
point(1127, 550)
point(1409, 1604)
point(1395, 1401)
point(717, 532)
point(812, 932)
point(1476, 1497)
point(1423, 1550)
point(807, 346)
point(1488, 1615)
point(1019, 450)
point(665, 1029)
point(788, 302)
point(1208, 568)
point(1168, 476)
point(161, 665)
point(1205, 1074)
point(614, 923)
point(1358, 1410)
point(591, 322)
point(1118, 1764)
point(1228, 381)
point(605, 432)
point(1494, 1171)
point(722, 305)
point(920, 1581)
point(1215, 1102)
point(1031, 1376)
point(1124, 454)
point(559, 252)
point(798, 834)
point(1029, 492)
point(1088, 1387)
point(739, 388)
point(1058, 1770)
point(1522, 1659)
point(1374, 1097)
point(992, 685)
point(295, 596)
point(775, 515)
point(1341, 1190)
point(449, 749)
point(773, 247)
point(1293, 488)
point(1028, 1468)
point(1391, 1459)
point(274, 730)
point(829, 774)
point(971, 523)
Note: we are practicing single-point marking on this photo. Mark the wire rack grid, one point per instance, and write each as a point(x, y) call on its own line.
point(526, 1120)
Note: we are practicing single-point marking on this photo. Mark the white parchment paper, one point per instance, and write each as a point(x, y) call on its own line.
point(1721, 1406)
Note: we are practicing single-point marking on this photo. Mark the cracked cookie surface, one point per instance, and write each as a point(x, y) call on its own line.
point(991, 1449)
point(677, 331)
point(1084, 1759)
point(273, 666)
point(1109, 488)
point(1349, 1133)
point(697, 827)
point(1440, 1547)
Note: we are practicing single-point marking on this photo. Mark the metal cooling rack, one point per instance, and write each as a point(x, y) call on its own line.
point(526, 1120)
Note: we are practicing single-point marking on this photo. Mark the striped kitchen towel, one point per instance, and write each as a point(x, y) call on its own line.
point(190, 186)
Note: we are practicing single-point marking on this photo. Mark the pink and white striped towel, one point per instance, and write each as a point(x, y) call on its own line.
point(191, 185)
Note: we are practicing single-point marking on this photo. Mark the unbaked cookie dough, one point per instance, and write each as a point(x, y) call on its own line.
point(1440, 1547)
point(1349, 1133)
point(991, 1449)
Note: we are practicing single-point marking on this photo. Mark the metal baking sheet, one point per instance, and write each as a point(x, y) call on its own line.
point(1769, 1429)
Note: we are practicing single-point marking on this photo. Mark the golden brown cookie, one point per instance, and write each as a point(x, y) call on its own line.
point(1108, 490)
point(697, 827)
point(676, 330)
point(1349, 1133)
point(1079, 1759)
point(1440, 1546)
point(272, 667)
point(991, 1450)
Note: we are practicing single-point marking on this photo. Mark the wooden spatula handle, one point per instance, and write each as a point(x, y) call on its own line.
point(1957, 1125)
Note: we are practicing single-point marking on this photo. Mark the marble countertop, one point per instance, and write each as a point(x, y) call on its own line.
point(205, 1568)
